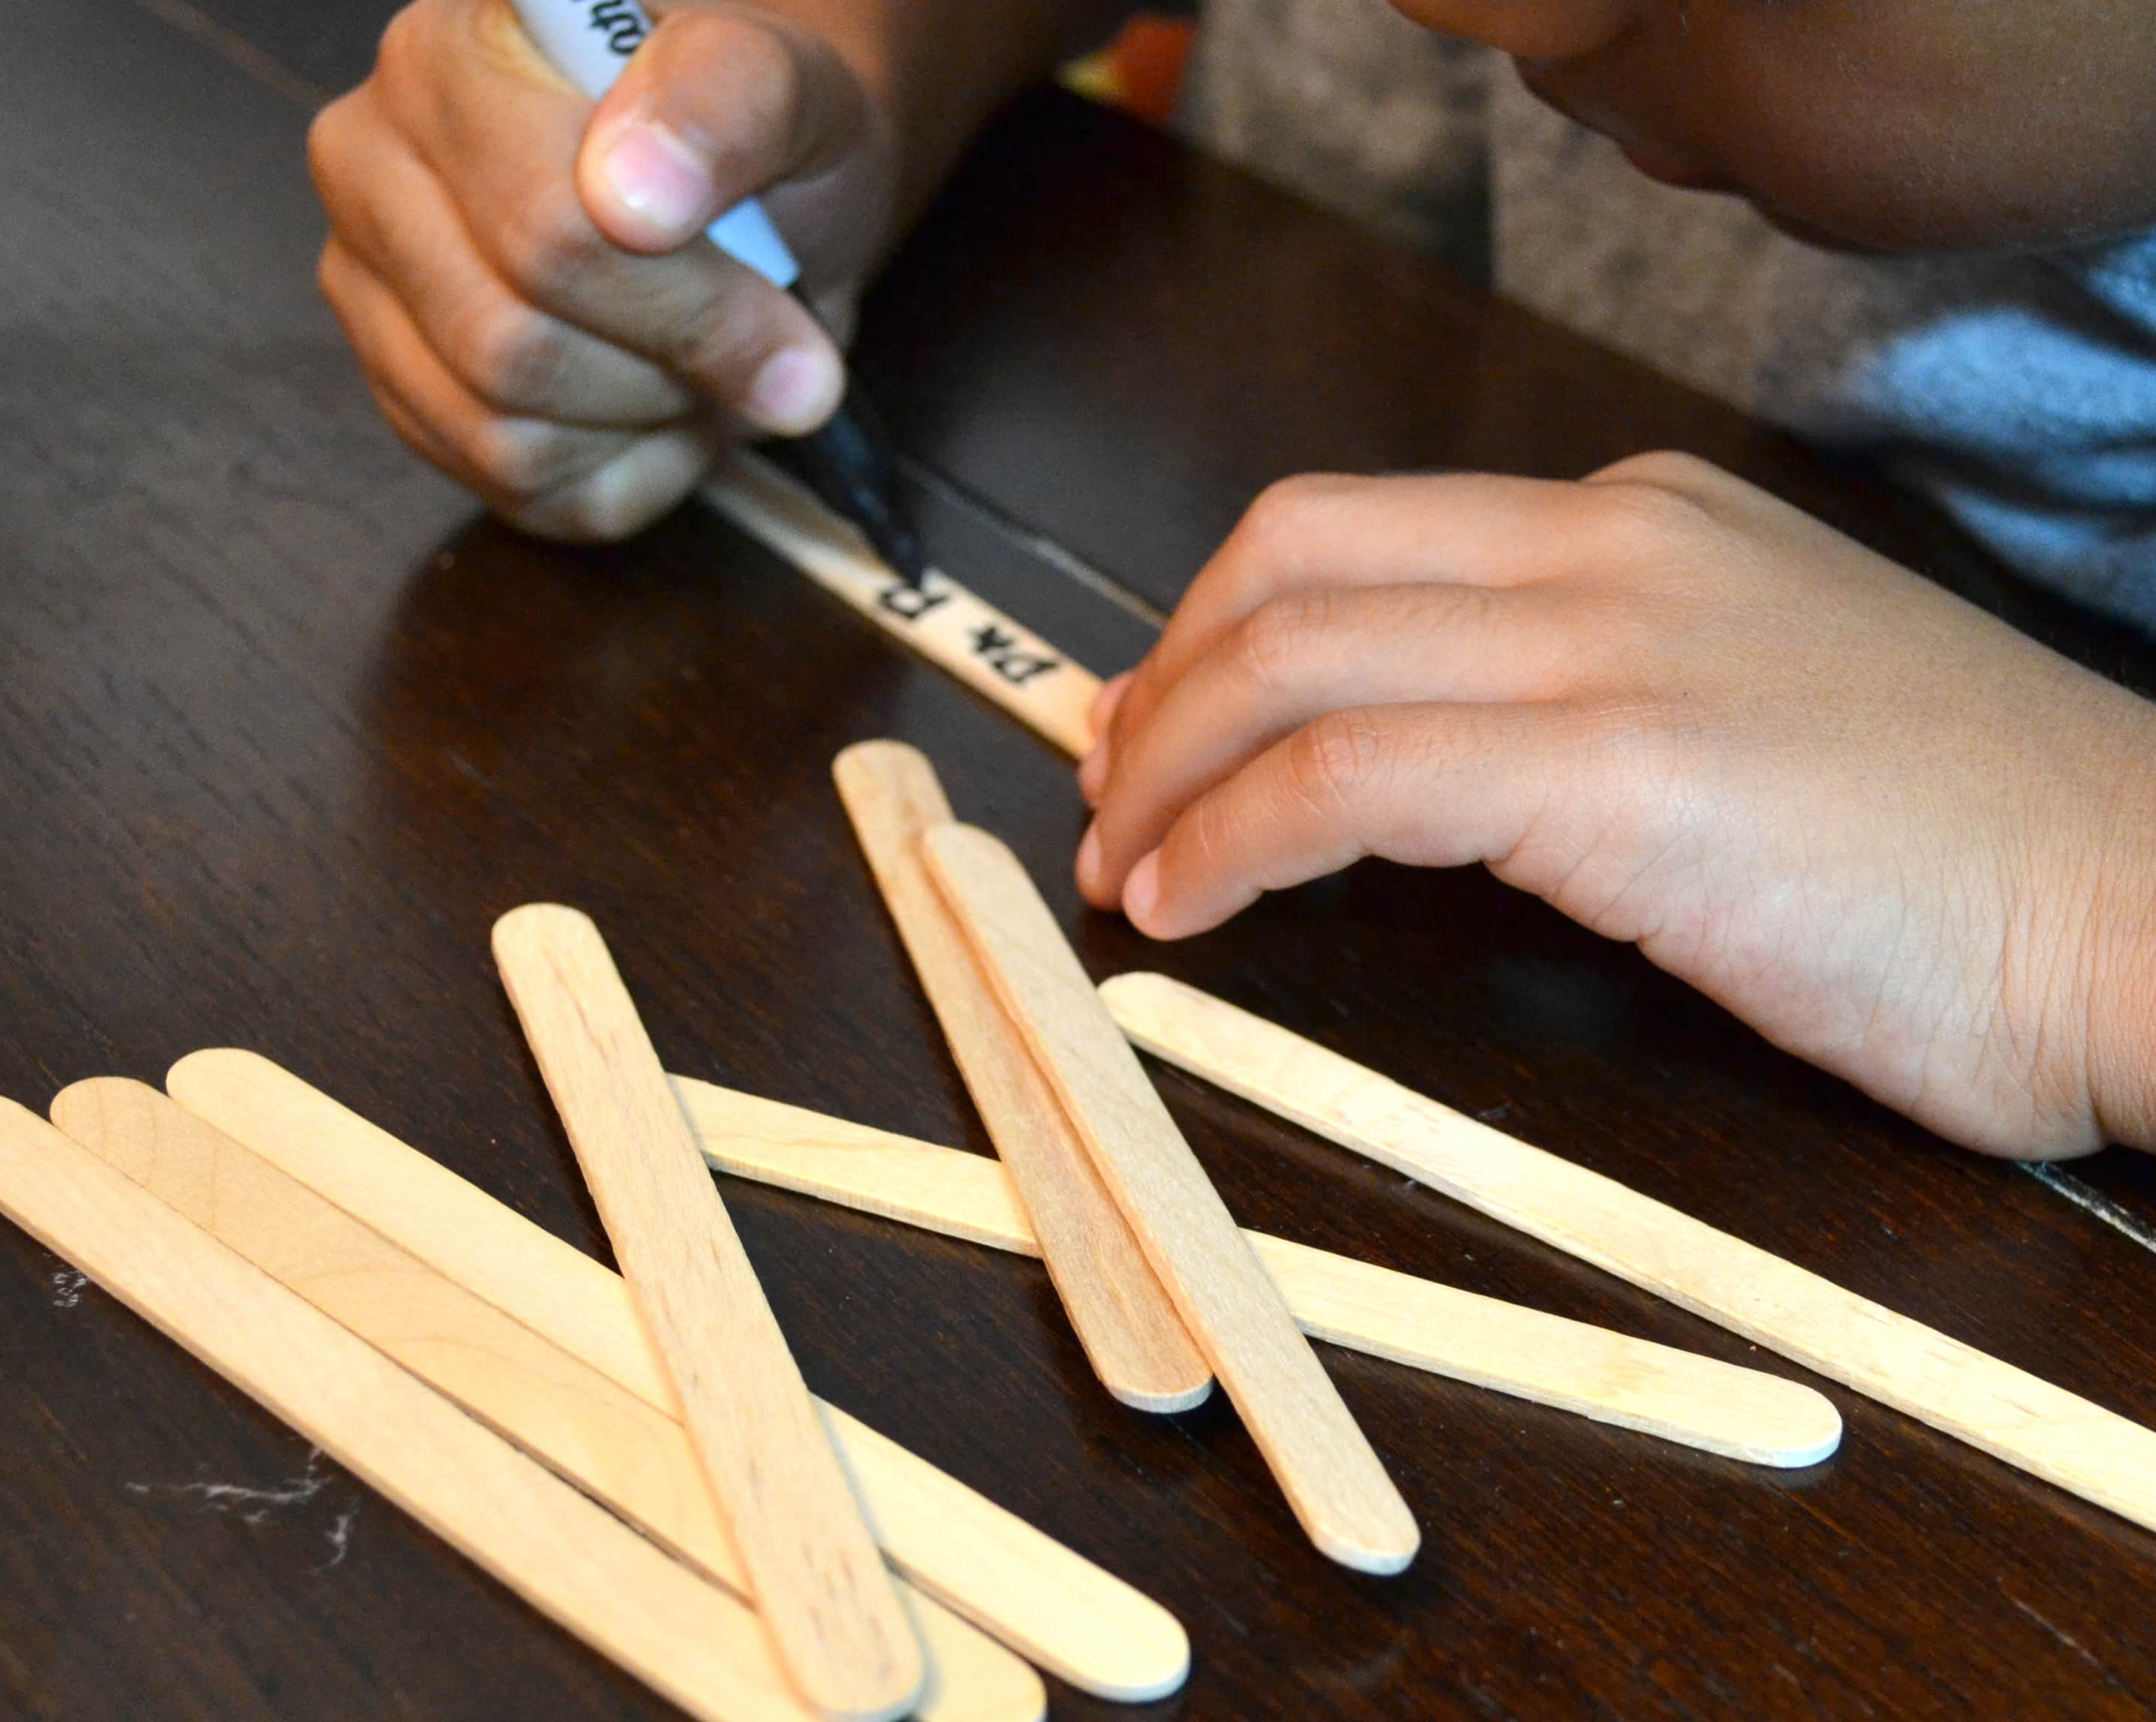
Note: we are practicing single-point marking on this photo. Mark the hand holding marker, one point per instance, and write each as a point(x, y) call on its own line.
point(588, 41)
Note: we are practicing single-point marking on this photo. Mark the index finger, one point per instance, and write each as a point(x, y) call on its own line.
point(1321, 530)
point(1436, 785)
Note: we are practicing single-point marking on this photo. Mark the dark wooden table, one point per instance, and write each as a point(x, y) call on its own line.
point(283, 725)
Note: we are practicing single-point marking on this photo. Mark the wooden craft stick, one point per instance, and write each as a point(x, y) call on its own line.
point(566, 1555)
point(817, 1580)
point(1051, 1604)
point(2005, 1412)
point(623, 1452)
point(1132, 1335)
point(1332, 1478)
point(1699, 1401)
point(941, 620)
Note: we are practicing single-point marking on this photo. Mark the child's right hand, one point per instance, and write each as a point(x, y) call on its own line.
point(524, 277)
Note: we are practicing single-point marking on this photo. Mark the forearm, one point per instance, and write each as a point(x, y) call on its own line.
point(938, 68)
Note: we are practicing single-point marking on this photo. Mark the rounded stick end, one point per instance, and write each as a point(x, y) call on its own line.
point(536, 923)
point(881, 757)
point(895, 1693)
point(1160, 1400)
point(1814, 1430)
point(1382, 1550)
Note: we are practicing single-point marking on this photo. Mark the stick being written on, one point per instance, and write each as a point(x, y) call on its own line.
point(941, 620)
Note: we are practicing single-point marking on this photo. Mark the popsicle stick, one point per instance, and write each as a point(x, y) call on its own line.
point(1324, 1464)
point(1132, 1335)
point(945, 623)
point(814, 1571)
point(1051, 1604)
point(1698, 1401)
point(623, 1452)
point(1992, 1406)
point(962, 1195)
point(568, 1557)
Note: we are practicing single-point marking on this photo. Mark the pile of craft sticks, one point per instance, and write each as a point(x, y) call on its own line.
point(638, 1456)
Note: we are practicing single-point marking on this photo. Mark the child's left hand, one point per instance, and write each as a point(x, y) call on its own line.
point(1895, 836)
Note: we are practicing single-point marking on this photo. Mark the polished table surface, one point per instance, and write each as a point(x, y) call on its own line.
point(283, 725)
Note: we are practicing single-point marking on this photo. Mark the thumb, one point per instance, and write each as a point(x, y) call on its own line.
point(718, 104)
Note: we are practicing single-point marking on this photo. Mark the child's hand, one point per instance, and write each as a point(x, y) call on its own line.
point(524, 278)
point(1899, 838)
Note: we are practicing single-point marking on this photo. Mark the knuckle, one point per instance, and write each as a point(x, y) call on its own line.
point(522, 458)
point(568, 516)
point(607, 505)
point(1279, 532)
point(1205, 838)
point(551, 240)
point(1281, 513)
point(329, 276)
point(1273, 639)
point(397, 419)
point(1644, 740)
point(1333, 759)
point(603, 514)
point(404, 49)
point(342, 285)
point(325, 142)
point(759, 63)
point(721, 345)
point(753, 77)
point(1636, 518)
point(512, 355)
point(582, 517)
point(1668, 469)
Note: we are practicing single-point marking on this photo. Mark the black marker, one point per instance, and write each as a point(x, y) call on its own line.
point(847, 462)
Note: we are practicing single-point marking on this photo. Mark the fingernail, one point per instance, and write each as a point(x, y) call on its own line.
point(1089, 859)
point(659, 179)
point(1142, 890)
point(795, 391)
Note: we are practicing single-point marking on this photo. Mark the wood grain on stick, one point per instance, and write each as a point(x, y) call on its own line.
point(566, 1555)
point(818, 1582)
point(625, 1453)
point(964, 634)
point(2004, 1411)
point(1331, 1475)
point(1123, 1316)
point(1049, 1603)
point(1699, 1401)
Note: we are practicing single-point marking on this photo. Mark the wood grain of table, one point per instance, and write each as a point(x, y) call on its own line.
point(283, 725)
